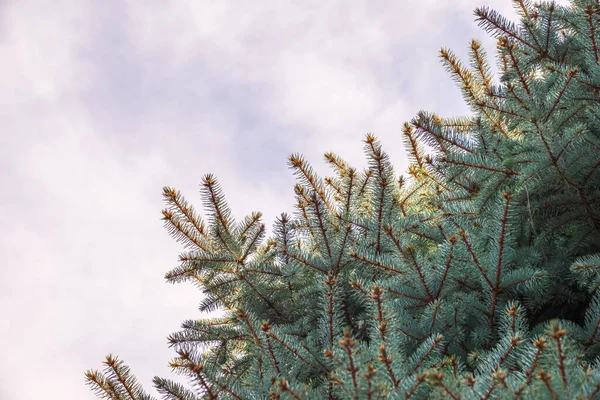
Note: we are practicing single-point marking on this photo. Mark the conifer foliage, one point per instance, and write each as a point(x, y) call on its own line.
point(474, 277)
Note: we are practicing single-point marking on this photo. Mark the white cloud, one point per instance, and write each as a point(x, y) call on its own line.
point(326, 68)
point(43, 65)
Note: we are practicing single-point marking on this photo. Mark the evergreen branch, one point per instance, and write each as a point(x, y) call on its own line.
point(215, 201)
point(451, 214)
point(407, 131)
point(464, 77)
point(365, 183)
point(206, 259)
point(421, 360)
point(467, 187)
point(418, 268)
point(475, 307)
point(556, 335)
point(595, 88)
point(506, 44)
point(256, 271)
point(262, 297)
point(302, 206)
point(376, 293)
point(535, 173)
point(529, 17)
point(545, 378)
point(304, 262)
point(173, 390)
point(594, 113)
point(380, 160)
point(121, 374)
point(330, 282)
point(447, 264)
point(595, 219)
point(420, 174)
point(322, 227)
point(180, 231)
point(252, 244)
point(593, 169)
point(540, 344)
point(224, 242)
point(284, 388)
point(463, 124)
point(548, 27)
point(179, 274)
point(377, 264)
point(418, 123)
point(589, 11)
point(591, 338)
point(101, 386)
point(265, 327)
point(514, 343)
point(497, 287)
point(570, 74)
point(503, 63)
point(361, 226)
point(178, 339)
point(184, 362)
point(410, 194)
point(592, 144)
point(291, 350)
point(511, 88)
point(471, 165)
point(194, 329)
point(220, 283)
point(419, 234)
point(492, 387)
point(369, 374)
point(297, 162)
point(409, 335)
point(491, 193)
point(284, 231)
point(211, 302)
point(490, 20)
point(464, 235)
point(594, 99)
point(330, 182)
point(422, 300)
point(463, 283)
point(521, 281)
point(248, 224)
point(174, 197)
point(478, 57)
point(437, 381)
point(336, 268)
point(358, 286)
point(568, 142)
point(348, 343)
point(562, 124)
point(351, 176)
point(325, 367)
point(502, 110)
point(420, 379)
point(593, 394)
point(228, 389)
point(337, 162)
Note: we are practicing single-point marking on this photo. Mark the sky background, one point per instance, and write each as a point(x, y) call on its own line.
point(102, 103)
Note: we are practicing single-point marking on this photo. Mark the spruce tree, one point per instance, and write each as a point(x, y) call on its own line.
point(474, 276)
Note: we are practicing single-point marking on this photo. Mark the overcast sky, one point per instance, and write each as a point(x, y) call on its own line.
point(102, 103)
